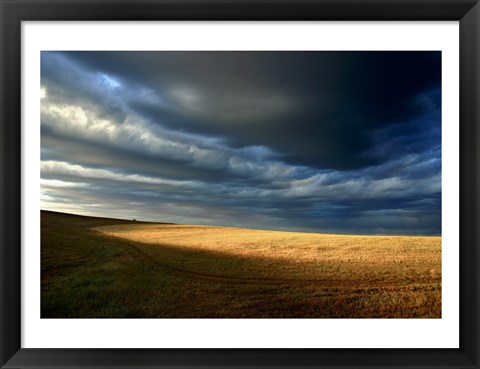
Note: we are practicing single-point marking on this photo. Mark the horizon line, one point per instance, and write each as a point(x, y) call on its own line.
point(256, 229)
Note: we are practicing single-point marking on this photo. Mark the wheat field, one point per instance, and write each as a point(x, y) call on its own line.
point(169, 270)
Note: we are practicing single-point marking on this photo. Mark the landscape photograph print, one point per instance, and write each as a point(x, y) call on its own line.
point(241, 184)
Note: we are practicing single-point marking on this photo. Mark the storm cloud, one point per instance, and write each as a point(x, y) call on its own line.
point(345, 142)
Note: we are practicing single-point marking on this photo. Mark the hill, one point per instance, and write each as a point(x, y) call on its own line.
point(101, 267)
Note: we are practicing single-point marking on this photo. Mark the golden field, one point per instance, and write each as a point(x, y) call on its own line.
point(98, 267)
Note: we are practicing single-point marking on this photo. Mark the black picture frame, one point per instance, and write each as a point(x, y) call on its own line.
point(13, 12)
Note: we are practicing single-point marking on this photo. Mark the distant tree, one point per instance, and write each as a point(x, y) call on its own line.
point(134, 220)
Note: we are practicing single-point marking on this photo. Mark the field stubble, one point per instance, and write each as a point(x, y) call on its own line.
point(112, 268)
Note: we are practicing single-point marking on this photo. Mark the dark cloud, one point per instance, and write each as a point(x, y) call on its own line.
point(322, 106)
point(326, 141)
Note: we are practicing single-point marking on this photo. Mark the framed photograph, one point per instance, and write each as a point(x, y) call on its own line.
point(239, 184)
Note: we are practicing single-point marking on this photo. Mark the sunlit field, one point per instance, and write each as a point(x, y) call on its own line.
point(99, 267)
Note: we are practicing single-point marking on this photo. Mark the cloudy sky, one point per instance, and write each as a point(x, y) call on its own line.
point(342, 142)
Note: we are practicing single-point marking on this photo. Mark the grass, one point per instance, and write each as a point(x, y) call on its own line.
point(98, 267)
